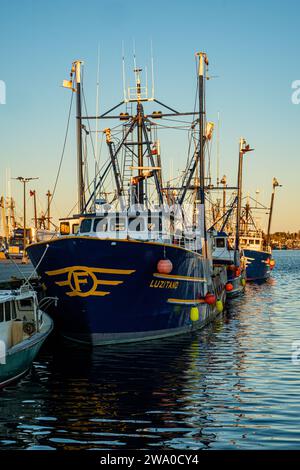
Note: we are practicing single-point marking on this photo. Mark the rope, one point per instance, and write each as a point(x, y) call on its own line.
point(35, 268)
point(63, 152)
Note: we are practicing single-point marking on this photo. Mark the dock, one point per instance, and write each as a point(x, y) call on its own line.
point(13, 273)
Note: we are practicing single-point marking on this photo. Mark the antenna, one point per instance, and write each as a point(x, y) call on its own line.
point(218, 150)
point(134, 58)
point(152, 70)
point(256, 199)
point(146, 79)
point(97, 103)
point(96, 127)
point(124, 76)
point(8, 197)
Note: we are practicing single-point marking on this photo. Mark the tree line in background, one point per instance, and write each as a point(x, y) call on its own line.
point(285, 240)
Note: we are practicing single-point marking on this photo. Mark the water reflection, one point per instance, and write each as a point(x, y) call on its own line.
point(230, 386)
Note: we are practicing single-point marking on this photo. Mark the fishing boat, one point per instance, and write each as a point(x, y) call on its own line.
point(225, 230)
point(256, 245)
point(131, 268)
point(15, 237)
point(24, 326)
point(258, 255)
point(249, 236)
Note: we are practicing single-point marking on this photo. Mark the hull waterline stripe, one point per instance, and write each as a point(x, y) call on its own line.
point(186, 301)
point(177, 277)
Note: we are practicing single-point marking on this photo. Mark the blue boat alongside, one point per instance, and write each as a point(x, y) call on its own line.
point(258, 258)
point(23, 329)
point(257, 265)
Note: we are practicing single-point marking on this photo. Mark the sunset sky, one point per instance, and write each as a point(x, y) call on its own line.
point(253, 48)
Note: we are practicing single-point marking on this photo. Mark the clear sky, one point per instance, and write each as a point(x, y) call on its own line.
point(253, 47)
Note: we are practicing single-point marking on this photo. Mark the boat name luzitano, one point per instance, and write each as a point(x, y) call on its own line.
point(164, 284)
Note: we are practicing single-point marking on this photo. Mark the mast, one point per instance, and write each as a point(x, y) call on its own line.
point(81, 191)
point(223, 182)
point(275, 184)
point(140, 115)
point(33, 193)
point(4, 218)
point(140, 153)
point(48, 209)
point(218, 150)
point(243, 149)
point(141, 146)
point(201, 194)
point(76, 69)
point(24, 181)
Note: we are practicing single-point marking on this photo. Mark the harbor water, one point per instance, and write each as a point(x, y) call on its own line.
point(235, 385)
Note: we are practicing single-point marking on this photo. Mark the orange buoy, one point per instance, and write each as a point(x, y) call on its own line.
point(210, 299)
point(237, 272)
point(228, 287)
point(231, 267)
point(272, 263)
point(164, 266)
point(268, 261)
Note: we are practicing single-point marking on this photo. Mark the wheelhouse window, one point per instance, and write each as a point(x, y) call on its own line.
point(64, 228)
point(100, 224)
point(154, 224)
point(86, 225)
point(220, 242)
point(257, 242)
point(136, 224)
point(13, 311)
point(118, 224)
point(7, 311)
point(251, 242)
point(75, 228)
point(25, 304)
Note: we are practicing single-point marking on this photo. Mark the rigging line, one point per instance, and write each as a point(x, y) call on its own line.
point(209, 162)
point(179, 128)
point(99, 172)
point(62, 154)
point(36, 267)
point(16, 266)
point(86, 166)
point(174, 120)
point(100, 150)
point(88, 122)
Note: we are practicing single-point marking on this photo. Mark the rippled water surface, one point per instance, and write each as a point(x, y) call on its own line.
point(231, 386)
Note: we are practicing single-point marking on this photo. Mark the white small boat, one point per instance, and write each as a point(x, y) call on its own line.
point(23, 329)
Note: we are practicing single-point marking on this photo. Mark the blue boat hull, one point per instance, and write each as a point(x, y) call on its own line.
point(238, 283)
point(257, 267)
point(110, 291)
point(238, 286)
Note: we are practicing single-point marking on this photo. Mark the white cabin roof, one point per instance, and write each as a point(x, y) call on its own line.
point(19, 294)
